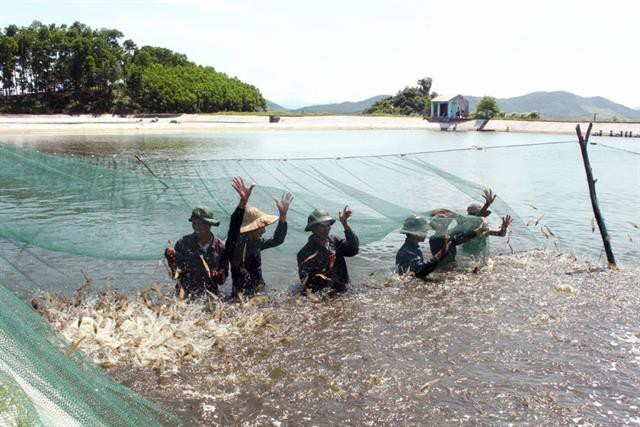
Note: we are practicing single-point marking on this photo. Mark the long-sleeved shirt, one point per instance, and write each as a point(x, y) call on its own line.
point(246, 265)
point(323, 266)
point(194, 277)
point(410, 258)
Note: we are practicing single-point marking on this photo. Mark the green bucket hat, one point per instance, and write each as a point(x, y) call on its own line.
point(205, 214)
point(415, 225)
point(318, 216)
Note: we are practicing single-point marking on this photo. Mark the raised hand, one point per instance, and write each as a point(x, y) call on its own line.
point(344, 216)
point(283, 205)
point(489, 197)
point(242, 190)
point(506, 222)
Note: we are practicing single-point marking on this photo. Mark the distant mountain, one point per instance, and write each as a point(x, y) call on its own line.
point(550, 105)
point(343, 107)
point(563, 105)
point(272, 106)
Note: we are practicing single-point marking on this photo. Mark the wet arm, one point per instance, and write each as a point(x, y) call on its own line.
point(460, 238)
point(234, 233)
point(506, 221)
point(278, 236)
point(415, 264)
point(424, 268)
point(229, 246)
point(348, 246)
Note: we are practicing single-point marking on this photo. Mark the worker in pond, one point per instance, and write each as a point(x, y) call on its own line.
point(477, 213)
point(321, 262)
point(246, 264)
point(200, 261)
point(444, 234)
point(409, 259)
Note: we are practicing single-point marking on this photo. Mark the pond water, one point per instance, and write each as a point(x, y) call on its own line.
point(535, 175)
point(537, 338)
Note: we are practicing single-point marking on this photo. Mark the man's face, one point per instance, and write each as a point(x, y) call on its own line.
point(321, 231)
point(256, 234)
point(200, 226)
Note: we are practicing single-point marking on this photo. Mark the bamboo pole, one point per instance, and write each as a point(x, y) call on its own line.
point(592, 192)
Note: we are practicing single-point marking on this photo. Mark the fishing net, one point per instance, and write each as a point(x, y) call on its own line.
point(113, 210)
point(127, 208)
point(41, 385)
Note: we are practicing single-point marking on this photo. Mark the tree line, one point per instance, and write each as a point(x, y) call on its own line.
point(409, 101)
point(416, 100)
point(76, 69)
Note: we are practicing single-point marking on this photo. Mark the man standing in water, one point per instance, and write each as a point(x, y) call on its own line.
point(202, 259)
point(442, 218)
point(477, 214)
point(321, 263)
point(246, 265)
point(409, 258)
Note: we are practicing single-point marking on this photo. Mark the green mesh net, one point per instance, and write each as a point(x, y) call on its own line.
point(15, 406)
point(127, 209)
point(56, 207)
point(41, 385)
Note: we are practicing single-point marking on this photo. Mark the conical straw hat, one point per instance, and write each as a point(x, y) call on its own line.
point(254, 218)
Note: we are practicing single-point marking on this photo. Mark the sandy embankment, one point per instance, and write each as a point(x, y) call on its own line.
point(86, 124)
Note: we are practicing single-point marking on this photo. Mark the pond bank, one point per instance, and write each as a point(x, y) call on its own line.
point(108, 124)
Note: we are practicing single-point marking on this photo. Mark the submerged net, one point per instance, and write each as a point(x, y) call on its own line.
point(125, 209)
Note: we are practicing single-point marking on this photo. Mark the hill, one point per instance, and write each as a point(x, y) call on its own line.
point(550, 105)
point(51, 69)
point(342, 107)
point(563, 105)
point(272, 106)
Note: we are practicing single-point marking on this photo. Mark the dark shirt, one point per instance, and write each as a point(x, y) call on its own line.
point(410, 258)
point(321, 267)
point(193, 273)
point(437, 241)
point(246, 266)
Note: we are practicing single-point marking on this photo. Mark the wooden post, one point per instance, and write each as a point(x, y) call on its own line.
point(592, 192)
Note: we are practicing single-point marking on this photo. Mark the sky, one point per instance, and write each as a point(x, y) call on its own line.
point(313, 52)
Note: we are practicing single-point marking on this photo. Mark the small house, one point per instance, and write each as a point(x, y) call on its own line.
point(446, 107)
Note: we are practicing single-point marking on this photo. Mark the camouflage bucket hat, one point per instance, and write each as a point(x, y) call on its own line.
point(318, 216)
point(205, 214)
point(416, 226)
